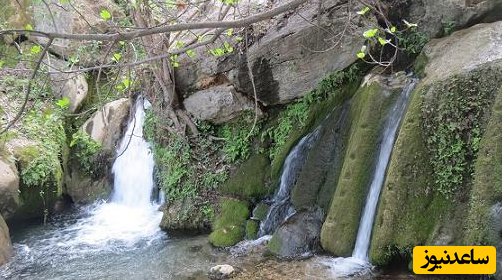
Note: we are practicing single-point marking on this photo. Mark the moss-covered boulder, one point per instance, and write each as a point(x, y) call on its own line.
point(446, 157)
point(230, 222)
point(369, 107)
point(252, 228)
point(190, 213)
point(250, 179)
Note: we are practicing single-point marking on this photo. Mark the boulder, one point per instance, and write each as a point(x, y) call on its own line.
point(71, 86)
point(218, 104)
point(5, 243)
point(288, 58)
point(105, 125)
point(433, 16)
point(77, 17)
point(463, 51)
point(182, 215)
point(222, 271)
point(85, 190)
point(9, 189)
point(299, 235)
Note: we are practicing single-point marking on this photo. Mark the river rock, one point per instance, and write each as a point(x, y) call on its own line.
point(9, 189)
point(433, 16)
point(218, 104)
point(106, 125)
point(5, 243)
point(222, 271)
point(288, 60)
point(299, 236)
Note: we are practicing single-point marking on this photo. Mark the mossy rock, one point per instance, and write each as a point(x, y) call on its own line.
point(252, 228)
point(229, 224)
point(487, 183)
point(367, 114)
point(406, 204)
point(260, 211)
point(250, 179)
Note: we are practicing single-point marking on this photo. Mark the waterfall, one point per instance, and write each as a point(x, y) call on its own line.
point(130, 215)
point(358, 263)
point(388, 138)
point(281, 209)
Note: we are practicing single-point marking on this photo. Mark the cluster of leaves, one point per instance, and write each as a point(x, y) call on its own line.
point(412, 42)
point(453, 122)
point(238, 137)
point(85, 150)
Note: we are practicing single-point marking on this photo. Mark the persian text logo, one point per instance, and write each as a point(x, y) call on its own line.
point(454, 259)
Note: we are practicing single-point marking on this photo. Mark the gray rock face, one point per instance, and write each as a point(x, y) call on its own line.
point(299, 236)
point(9, 189)
point(464, 51)
point(72, 86)
point(432, 16)
point(288, 61)
point(5, 243)
point(106, 125)
point(82, 16)
point(218, 104)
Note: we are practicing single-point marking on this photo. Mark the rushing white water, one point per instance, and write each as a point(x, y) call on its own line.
point(130, 215)
point(358, 263)
point(281, 209)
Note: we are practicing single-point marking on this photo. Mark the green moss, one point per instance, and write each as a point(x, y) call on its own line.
point(252, 228)
point(275, 244)
point(250, 179)
point(487, 183)
point(339, 231)
point(229, 225)
point(406, 204)
point(260, 212)
point(419, 65)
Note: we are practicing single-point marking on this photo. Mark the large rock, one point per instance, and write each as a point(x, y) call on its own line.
point(463, 51)
point(72, 86)
point(433, 16)
point(5, 243)
point(288, 60)
point(77, 17)
point(106, 125)
point(299, 236)
point(9, 188)
point(218, 104)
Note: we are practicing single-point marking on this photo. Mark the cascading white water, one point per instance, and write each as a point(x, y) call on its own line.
point(281, 208)
point(388, 138)
point(130, 215)
point(359, 261)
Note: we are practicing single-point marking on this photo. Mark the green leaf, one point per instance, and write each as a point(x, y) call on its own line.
point(238, 39)
point(179, 44)
point(361, 55)
point(230, 32)
point(116, 57)
point(393, 29)
point(217, 52)
point(63, 103)
point(105, 14)
point(409, 24)
point(228, 47)
point(370, 33)
point(28, 27)
point(364, 11)
point(2, 63)
point(176, 64)
point(35, 49)
point(64, 1)
point(126, 82)
point(191, 53)
point(382, 41)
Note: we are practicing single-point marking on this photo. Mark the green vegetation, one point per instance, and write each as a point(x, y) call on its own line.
point(453, 122)
point(238, 137)
point(412, 41)
point(229, 225)
point(252, 228)
point(85, 151)
point(449, 27)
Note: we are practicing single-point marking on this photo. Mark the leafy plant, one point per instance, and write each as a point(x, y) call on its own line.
point(85, 150)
